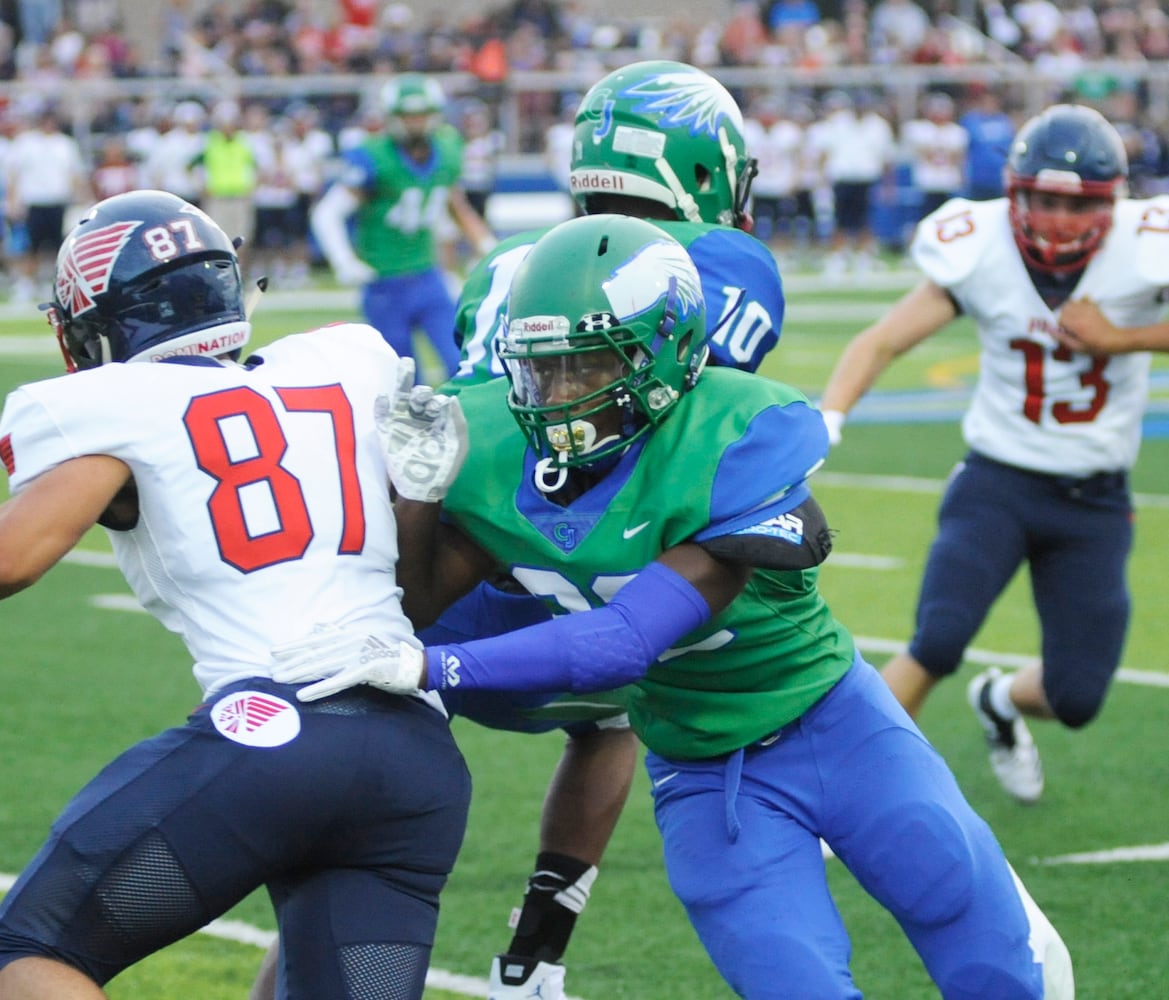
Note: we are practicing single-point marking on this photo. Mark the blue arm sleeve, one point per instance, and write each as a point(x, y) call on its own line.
point(593, 650)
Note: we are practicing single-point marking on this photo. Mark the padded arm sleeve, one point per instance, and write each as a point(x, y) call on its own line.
point(593, 650)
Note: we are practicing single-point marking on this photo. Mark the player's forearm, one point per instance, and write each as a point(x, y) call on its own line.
point(918, 314)
point(1133, 339)
point(862, 362)
point(47, 518)
point(437, 564)
point(595, 650)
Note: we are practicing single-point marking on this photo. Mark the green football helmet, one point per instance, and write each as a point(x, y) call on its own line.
point(606, 330)
point(409, 94)
point(668, 132)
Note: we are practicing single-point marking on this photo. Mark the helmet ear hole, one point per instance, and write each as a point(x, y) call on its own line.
point(702, 178)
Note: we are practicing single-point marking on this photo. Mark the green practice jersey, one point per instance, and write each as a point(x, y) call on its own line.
point(404, 200)
point(732, 446)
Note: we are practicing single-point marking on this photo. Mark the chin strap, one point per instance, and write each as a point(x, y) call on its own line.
point(544, 468)
point(584, 435)
point(686, 203)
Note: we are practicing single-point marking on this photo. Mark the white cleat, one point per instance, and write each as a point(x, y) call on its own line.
point(1014, 757)
point(516, 978)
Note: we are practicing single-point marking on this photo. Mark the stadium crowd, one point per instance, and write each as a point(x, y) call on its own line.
point(797, 133)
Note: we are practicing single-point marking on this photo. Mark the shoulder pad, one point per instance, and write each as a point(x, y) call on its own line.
point(1148, 220)
point(949, 244)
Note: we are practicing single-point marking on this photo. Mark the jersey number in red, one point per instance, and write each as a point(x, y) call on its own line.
point(238, 547)
point(1062, 412)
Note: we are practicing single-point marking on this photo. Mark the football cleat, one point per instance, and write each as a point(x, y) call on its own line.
point(515, 977)
point(1014, 758)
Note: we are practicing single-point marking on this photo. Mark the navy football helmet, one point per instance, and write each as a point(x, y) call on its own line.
point(146, 276)
point(1073, 152)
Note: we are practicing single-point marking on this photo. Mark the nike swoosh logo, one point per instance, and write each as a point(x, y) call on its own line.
point(630, 532)
point(661, 781)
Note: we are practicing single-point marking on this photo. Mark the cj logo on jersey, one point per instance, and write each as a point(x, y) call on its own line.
point(256, 719)
point(564, 535)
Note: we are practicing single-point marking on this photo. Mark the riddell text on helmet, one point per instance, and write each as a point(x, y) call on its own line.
point(580, 181)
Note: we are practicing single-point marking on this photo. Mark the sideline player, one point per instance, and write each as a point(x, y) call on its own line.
point(241, 501)
point(399, 185)
point(1052, 429)
point(663, 513)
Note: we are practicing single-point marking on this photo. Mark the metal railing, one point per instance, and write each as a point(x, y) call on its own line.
point(81, 100)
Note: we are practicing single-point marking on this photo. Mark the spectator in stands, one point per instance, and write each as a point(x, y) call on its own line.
point(309, 153)
point(558, 141)
point(44, 174)
point(1141, 142)
point(897, 29)
point(780, 15)
point(277, 251)
point(935, 147)
point(777, 143)
point(989, 131)
point(1041, 22)
point(170, 165)
point(230, 174)
point(743, 36)
point(115, 172)
point(482, 144)
point(853, 152)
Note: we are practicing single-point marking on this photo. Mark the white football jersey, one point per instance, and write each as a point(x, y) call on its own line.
point(263, 494)
point(1037, 404)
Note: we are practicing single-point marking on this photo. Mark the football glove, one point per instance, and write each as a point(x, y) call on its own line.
point(423, 436)
point(834, 422)
point(336, 658)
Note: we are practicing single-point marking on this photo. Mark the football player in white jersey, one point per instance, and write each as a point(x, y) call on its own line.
point(242, 501)
point(1053, 430)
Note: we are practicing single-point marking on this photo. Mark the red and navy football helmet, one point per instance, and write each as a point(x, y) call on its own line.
point(146, 276)
point(1070, 151)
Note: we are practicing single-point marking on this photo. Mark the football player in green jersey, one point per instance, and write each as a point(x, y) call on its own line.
point(657, 140)
point(662, 512)
point(397, 186)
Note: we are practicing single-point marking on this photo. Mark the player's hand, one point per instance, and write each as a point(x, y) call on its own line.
point(336, 658)
point(1084, 327)
point(423, 435)
point(354, 273)
point(834, 422)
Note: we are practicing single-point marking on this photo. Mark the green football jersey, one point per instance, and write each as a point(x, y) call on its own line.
point(404, 200)
point(731, 445)
point(740, 287)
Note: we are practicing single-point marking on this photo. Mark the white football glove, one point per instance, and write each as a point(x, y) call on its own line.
point(423, 435)
point(354, 273)
point(337, 658)
point(834, 421)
